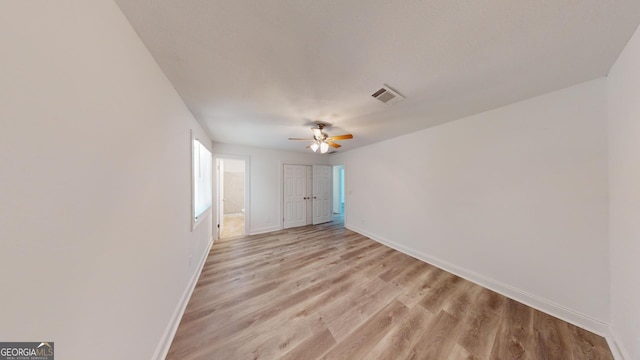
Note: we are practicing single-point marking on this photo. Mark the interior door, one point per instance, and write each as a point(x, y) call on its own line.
point(322, 193)
point(295, 199)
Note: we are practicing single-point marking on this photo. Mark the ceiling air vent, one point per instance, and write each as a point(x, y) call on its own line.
point(387, 95)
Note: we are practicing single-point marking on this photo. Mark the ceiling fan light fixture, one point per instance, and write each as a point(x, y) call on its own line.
point(324, 147)
point(322, 141)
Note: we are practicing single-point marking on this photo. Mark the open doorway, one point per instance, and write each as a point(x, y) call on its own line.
point(338, 192)
point(231, 199)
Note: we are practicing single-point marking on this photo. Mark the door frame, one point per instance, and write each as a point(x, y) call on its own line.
point(219, 176)
point(247, 191)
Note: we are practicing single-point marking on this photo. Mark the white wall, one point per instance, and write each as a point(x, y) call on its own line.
point(266, 181)
point(623, 94)
point(514, 198)
point(95, 183)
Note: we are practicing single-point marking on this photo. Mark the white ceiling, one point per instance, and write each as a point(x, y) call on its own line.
point(257, 72)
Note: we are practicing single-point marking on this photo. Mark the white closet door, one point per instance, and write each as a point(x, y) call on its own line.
point(295, 199)
point(322, 194)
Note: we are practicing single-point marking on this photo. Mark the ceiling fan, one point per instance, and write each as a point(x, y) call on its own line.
point(322, 141)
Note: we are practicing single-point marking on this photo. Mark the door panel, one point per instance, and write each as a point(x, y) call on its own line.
point(322, 193)
point(295, 189)
point(309, 195)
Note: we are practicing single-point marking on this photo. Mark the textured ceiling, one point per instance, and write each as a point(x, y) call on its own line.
point(258, 72)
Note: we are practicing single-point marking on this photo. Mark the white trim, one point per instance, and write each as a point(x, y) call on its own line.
point(265, 229)
point(167, 338)
point(617, 348)
point(534, 301)
point(196, 221)
point(280, 221)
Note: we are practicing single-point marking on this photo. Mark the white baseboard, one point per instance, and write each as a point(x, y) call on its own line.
point(265, 230)
point(571, 316)
point(617, 348)
point(170, 332)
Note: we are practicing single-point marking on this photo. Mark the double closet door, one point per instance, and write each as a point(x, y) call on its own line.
point(307, 195)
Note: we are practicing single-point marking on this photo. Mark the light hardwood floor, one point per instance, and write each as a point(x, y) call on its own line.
point(324, 292)
point(233, 226)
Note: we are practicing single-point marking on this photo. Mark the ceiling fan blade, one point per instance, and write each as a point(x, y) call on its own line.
point(303, 139)
point(332, 144)
point(341, 137)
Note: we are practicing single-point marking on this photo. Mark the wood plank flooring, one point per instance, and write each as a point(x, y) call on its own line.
point(324, 292)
